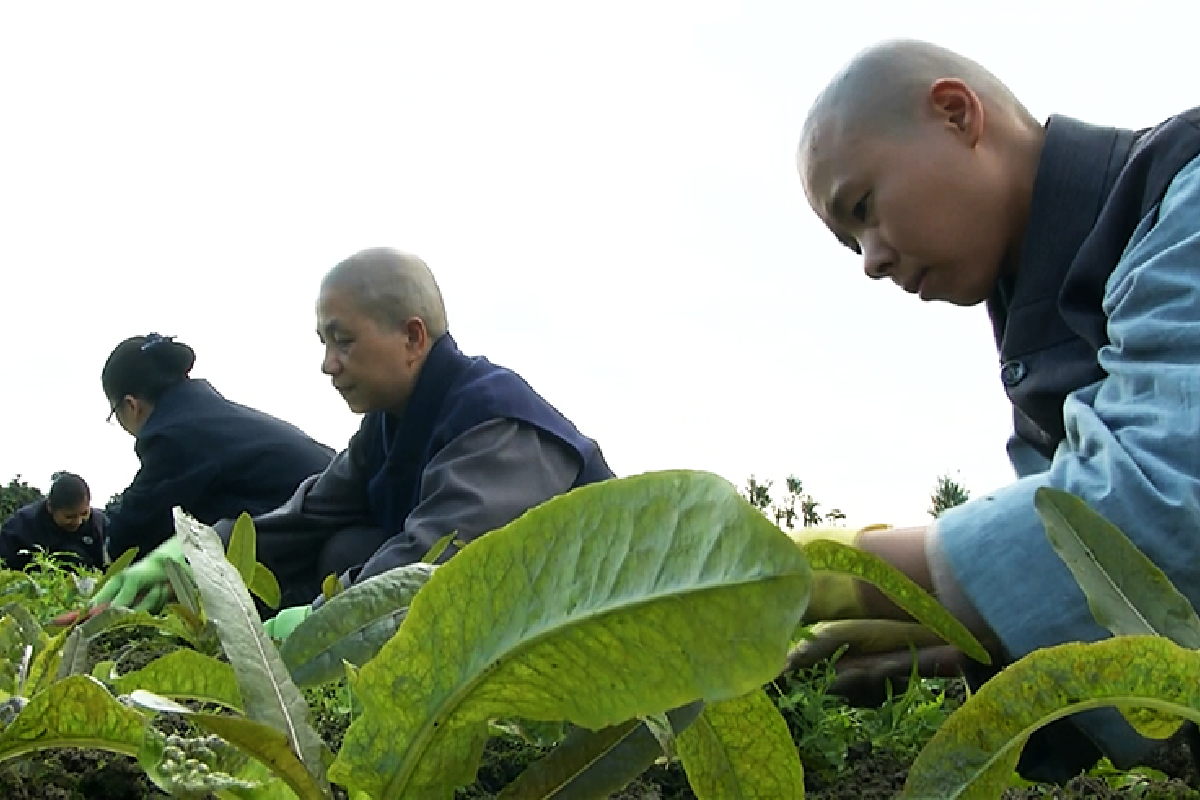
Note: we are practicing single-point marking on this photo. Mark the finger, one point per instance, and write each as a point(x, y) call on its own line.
point(127, 594)
point(153, 600)
point(942, 661)
point(108, 591)
point(863, 680)
point(64, 620)
point(860, 637)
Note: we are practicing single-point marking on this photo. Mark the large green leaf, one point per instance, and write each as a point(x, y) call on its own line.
point(830, 556)
point(589, 764)
point(115, 617)
point(352, 626)
point(185, 675)
point(268, 745)
point(741, 749)
point(74, 712)
point(615, 601)
point(1126, 592)
point(268, 694)
point(975, 751)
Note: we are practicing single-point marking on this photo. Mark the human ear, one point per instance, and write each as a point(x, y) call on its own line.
point(954, 102)
point(416, 333)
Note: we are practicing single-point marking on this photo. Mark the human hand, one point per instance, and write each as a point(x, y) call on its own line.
point(280, 626)
point(143, 585)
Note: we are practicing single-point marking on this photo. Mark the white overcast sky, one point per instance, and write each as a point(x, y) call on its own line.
point(606, 193)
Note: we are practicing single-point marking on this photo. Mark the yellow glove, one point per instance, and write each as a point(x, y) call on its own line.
point(861, 637)
point(834, 595)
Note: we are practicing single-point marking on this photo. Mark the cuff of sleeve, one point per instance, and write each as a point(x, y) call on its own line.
point(995, 551)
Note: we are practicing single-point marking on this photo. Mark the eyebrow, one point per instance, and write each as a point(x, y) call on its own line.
point(333, 326)
point(837, 200)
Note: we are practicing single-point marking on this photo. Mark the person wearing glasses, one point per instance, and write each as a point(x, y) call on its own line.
point(63, 524)
point(213, 457)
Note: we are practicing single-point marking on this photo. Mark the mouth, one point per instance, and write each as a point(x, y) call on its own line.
point(914, 284)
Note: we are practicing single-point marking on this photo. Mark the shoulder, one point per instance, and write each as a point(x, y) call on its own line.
point(1153, 293)
point(24, 517)
point(1183, 193)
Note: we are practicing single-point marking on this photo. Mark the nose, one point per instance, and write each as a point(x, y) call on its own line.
point(878, 259)
point(331, 364)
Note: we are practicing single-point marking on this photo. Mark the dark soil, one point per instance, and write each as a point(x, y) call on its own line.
point(75, 775)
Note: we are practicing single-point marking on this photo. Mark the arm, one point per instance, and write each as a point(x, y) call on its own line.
point(11, 542)
point(1024, 459)
point(1132, 450)
point(322, 504)
point(168, 477)
point(481, 481)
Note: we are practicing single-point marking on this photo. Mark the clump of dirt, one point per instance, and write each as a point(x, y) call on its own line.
point(868, 775)
point(70, 774)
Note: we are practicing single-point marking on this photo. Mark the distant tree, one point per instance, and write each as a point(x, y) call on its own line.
point(759, 494)
point(808, 509)
point(16, 494)
point(796, 506)
point(834, 516)
point(112, 503)
point(947, 493)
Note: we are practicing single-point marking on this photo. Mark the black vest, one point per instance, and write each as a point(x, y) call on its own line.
point(1094, 187)
point(454, 393)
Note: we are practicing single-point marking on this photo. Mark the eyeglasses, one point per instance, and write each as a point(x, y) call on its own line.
point(113, 412)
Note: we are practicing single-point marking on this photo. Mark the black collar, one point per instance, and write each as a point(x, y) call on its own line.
point(442, 367)
point(1076, 171)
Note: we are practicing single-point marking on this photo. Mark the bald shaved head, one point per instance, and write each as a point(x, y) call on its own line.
point(390, 287)
point(884, 89)
point(922, 163)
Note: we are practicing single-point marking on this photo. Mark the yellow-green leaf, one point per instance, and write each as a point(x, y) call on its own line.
point(184, 674)
point(263, 742)
point(264, 585)
point(741, 749)
point(830, 556)
point(331, 587)
point(75, 712)
point(975, 751)
point(617, 600)
point(439, 547)
point(589, 764)
point(243, 552)
point(1126, 592)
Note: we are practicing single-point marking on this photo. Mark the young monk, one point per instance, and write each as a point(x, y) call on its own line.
point(1083, 242)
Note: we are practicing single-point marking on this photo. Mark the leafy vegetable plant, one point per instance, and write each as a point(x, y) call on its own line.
point(625, 622)
point(1149, 670)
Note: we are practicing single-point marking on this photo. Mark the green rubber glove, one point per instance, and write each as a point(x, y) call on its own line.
point(834, 595)
point(143, 585)
point(280, 626)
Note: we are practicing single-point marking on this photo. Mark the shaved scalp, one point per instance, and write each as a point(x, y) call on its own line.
point(391, 287)
point(883, 89)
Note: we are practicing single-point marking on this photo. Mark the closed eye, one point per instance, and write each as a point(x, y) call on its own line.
point(860, 210)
